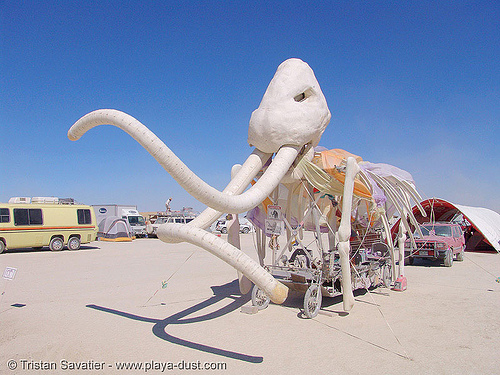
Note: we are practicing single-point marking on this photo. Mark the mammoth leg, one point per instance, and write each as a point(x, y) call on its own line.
point(233, 237)
point(401, 252)
point(344, 233)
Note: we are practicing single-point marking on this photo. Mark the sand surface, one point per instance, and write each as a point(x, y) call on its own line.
point(105, 304)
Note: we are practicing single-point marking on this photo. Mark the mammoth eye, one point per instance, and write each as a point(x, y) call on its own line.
point(300, 97)
point(303, 95)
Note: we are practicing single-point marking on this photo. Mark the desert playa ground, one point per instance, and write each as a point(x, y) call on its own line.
point(106, 305)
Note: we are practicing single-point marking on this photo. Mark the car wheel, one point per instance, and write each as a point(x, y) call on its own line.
point(56, 244)
point(223, 230)
point(245, 230)
point(460, 255)
point(74, 243)
point(448, 258)
point(2, 247)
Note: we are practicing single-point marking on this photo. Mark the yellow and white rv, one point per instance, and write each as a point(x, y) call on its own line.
point(45, 224)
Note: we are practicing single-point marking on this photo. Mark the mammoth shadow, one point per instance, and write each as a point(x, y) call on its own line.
point(227, 291)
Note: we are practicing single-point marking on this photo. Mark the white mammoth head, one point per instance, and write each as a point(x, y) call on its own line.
point(293, 110)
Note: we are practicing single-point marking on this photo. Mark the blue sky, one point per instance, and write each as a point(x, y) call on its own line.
point(412, 84)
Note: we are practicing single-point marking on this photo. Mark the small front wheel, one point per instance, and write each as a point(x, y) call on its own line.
point(312, 301)
point(56, 244)
point(259, 298)
point(74, 243)
point(387, 275)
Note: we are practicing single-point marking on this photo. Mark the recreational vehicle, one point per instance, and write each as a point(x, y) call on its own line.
point(45, 224)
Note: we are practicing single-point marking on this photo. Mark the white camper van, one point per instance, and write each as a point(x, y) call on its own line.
point(129, 213)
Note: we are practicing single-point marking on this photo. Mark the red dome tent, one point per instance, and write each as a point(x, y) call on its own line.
point(481, 225)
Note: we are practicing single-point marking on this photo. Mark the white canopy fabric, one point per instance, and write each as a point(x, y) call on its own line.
point(484, 220)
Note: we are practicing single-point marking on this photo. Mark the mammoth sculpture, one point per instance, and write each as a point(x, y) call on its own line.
point(284, 130)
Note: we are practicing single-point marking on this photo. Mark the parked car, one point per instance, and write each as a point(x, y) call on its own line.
point(180, 219)
point(440, 241)
point(222, 227)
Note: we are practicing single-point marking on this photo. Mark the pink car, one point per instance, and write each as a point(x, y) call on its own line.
point(440, 241)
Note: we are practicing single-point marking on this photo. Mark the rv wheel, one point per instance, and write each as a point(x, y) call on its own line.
point(2, 247)
point(56, 244)
point(74, 243)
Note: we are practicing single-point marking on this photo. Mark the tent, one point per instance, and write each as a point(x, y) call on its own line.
point(114, 228)
point(482, 232)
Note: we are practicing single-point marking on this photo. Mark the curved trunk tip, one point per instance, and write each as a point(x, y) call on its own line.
point(279, 293)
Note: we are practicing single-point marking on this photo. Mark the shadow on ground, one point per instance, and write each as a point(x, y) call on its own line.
point(46, 249)
point(228, 291)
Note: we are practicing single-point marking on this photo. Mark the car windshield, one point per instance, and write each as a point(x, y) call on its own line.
point(136, 220)
point(439, 230)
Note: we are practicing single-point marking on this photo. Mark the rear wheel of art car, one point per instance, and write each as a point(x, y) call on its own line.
point(448, 258)
point(312, 301)
point(259, 298)
point(56, 244)
point(245, 230)
point(387, 275)
point(224, 231)
point(74, 243)
point(460, 255)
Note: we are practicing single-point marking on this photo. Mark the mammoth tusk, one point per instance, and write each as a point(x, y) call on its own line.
point(199, 189)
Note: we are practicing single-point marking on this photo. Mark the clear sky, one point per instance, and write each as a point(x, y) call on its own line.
point(412, 84)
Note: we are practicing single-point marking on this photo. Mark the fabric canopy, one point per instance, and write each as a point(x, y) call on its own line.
point(485, 222)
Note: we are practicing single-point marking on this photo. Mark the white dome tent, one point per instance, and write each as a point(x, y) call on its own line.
point(114, 228)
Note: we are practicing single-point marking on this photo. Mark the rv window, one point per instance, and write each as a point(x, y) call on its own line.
point(32, 216)
point(35, 216)
point(21, 216)
point(84, 216)
point(4, 215)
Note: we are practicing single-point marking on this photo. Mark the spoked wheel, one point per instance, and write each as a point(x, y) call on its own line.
point(312, 301)
point(387, 275)
point(259, 298)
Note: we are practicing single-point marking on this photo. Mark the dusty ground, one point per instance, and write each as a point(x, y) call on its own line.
point(105, 304)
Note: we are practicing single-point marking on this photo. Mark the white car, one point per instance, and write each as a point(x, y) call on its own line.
point(152, 228)
point(222, 227)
